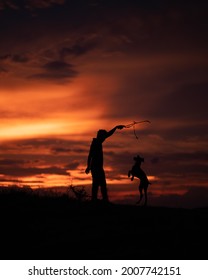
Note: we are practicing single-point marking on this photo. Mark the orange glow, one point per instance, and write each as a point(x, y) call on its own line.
point(25, 129)
point(28, 130)
point(48, 111)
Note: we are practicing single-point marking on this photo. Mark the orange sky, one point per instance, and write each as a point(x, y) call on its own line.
point(113, 66)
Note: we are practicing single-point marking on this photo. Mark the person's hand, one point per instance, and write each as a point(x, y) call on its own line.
point(120, 126)
point(87, 170)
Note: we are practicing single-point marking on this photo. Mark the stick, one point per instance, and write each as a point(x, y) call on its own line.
point(133, 123)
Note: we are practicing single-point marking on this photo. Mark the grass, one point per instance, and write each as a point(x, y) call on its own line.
point(44, 225)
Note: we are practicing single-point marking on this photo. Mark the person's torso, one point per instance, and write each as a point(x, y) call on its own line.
point(97, 154)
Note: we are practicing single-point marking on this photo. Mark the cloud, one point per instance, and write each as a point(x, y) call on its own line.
point(195, 197)
point(17, 171)
point(181, 165)
point(57, 66)
point(72, 165)
point(185, 102)
point(155, 160)
point(8, 4)
point(8, 162)
point(82, 46)
point(57, 152)
point(19, 58)
point(60, 150)
point(56, 70)
point(41, 4)
point(28, 4)
point(2, 70)
point(9, 180)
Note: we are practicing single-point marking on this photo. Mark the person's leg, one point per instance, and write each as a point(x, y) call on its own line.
point(95, 186)
point(94, 192)
point(103, 186)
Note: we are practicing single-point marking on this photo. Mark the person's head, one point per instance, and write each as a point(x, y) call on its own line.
point(101, 134)
point(139, 159)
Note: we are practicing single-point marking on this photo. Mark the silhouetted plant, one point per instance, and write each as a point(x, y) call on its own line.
point(79, 192)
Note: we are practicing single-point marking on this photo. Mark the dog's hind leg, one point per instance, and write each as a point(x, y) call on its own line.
point(145, 197)
point(141, 196)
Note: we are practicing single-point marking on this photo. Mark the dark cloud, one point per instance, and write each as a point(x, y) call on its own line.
point(41, 4)
point(72, 165)
point(82, 46)
point(9, 180)
point(155, 160)
point(111, 27)
point(124, 25)
point(56, 70)
point(60, 150)
point(67, 151)
point(2, 70)
point(44, 143)
point(193, 198)
point(186, 102)
point(38, 153)
point(57, 66)
point(5, 56)
point(17, 171)
point(194, 130)
point(8, 4)
point(28, 4)
point(185, 169)
point(188, 157)
point(12, 162)
point(19, 58)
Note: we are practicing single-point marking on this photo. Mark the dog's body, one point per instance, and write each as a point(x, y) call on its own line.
point(136, 171)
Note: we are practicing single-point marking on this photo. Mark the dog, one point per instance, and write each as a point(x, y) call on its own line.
point(136, 171)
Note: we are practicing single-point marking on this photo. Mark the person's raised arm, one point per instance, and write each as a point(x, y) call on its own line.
point(109, 133)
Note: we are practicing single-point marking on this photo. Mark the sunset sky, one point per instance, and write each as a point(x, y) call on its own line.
point(69, 68)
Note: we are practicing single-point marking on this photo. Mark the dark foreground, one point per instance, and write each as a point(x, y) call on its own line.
point(34, 227)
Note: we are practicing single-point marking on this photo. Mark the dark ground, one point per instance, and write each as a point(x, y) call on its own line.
point(35, 227)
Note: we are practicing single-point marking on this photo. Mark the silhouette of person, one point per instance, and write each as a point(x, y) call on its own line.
point(95, 163)
point(136, 171)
